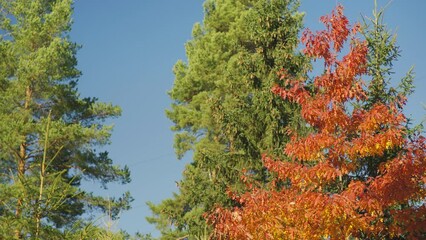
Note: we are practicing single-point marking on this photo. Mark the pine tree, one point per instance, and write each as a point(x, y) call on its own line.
point(223, 108)
point(42, 168)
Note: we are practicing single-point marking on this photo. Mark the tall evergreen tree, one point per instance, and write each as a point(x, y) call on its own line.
point(48, 133)
point(223, 108)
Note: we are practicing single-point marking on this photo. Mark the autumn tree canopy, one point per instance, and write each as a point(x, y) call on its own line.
point(359, 173)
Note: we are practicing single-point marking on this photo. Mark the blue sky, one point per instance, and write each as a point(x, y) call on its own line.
point(129, 49)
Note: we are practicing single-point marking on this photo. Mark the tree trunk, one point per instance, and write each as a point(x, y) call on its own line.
point(22, 160)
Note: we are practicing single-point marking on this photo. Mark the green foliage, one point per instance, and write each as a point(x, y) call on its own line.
point(382, 52)
point(40, 176)
point(223, 108)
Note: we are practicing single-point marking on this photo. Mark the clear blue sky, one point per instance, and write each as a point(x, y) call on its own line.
point(129, 49)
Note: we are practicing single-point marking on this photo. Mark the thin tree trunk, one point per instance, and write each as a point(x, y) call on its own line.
point(22, 160)
point(42, 176)
point(21, 173)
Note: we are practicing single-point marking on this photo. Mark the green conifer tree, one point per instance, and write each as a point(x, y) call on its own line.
point(41, 169)
point(223, 107)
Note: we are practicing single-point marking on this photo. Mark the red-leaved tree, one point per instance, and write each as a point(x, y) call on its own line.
point(358, 174)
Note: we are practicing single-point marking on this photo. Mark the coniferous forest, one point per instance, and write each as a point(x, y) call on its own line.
point(284, 128)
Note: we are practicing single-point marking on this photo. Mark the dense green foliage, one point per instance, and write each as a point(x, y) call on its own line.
point(223, 108)
point(49, 134)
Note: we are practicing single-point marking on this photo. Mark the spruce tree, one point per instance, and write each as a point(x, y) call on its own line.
point(223, 107)
point(48, 133)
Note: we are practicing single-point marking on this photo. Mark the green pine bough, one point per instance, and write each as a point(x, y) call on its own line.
point(48, 133)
